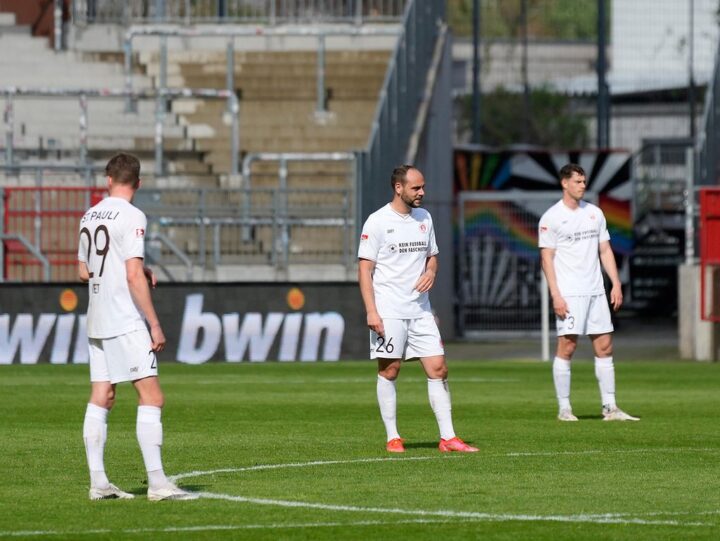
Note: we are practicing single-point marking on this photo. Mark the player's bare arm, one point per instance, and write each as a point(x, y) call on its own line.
point(607, 258)
point(140, 293)
point(83, 272)
point(547, 255)
point(150, 276)
point(427, 279)
point(365, 272)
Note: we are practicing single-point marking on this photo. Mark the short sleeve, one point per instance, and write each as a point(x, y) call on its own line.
point(370, 242)
point(432, 243)
point(604, 233)
point(83, 247)
point(547, 238)
point(134, 237)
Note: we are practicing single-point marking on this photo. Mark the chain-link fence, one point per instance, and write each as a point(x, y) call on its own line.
point(538, 76)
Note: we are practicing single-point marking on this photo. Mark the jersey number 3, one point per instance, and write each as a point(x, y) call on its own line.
point(102, 252)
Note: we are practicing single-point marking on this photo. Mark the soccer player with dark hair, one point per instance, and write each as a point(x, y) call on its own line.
point(574, 240)
point(396, 270)
point(120, 310)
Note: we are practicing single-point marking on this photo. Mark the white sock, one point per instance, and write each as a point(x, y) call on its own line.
point(387, 400)
point(95, 436)
point(561, 377)
point(439, 395)
point(150, 435)
point(605, 374)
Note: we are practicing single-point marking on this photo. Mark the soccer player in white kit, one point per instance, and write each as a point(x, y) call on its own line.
point(573, 240)
point(396, 269)
point(110, 260)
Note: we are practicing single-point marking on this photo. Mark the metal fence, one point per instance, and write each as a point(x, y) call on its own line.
point(235, 11)
point(499, 283)
point(708, 158)
point(188, 229)
point(161, 98)
point(400, 97)
point(538, 69)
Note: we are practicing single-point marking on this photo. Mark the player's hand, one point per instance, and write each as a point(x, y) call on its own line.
point(375, 323)
point(158, 338)
point(151, 278)
point(425, 282)
point(560, 307)
point(616, 297)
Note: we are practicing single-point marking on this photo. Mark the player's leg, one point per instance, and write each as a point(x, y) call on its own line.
point(388, 351)
point(600, 329)
point(566, 346)
point(424, 342)
point(388, 370)
point(136, 347)
point(102, 399)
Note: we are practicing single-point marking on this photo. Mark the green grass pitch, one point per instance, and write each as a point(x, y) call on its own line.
point(296, 451)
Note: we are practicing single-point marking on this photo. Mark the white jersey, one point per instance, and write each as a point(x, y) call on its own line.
point(111, 232)
point(575, 236)
point(399, 244)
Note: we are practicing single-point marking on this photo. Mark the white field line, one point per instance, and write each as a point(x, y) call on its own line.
point(370, 381)
point(202, 473)
point(179, 476)
point(488, 517)
point(596, 519)
point(614, 451)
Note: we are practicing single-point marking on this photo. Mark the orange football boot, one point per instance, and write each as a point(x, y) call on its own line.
point(457, 445)
point(395, 445)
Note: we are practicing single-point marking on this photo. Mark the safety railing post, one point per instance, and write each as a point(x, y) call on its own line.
point(83, 121)
point(9, 121)
point(321, 106)
point(160, 106)
point(235, 134)
point(130, 104)
point(283, 197)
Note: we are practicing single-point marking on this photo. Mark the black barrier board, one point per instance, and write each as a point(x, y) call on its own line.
point(235, 322)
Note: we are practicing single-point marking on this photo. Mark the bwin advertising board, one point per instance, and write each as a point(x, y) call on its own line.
point(46, 323)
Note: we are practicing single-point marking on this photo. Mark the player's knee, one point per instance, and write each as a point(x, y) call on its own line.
point(103, 397)
point(441, 372)
point(390, 372)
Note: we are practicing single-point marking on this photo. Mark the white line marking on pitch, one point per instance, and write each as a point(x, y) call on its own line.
point(179, 476)
point(490, 517)
point(198, 473)
point(251, 381)
point(298, 525)
point(616, 451)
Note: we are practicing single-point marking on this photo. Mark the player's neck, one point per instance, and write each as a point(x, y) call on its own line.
point(122, 192)
point(571, 202)
point(399, 206)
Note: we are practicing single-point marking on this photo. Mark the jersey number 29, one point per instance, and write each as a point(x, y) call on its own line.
point(98, 251)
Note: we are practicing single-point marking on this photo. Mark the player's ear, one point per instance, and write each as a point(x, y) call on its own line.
point(108, 179)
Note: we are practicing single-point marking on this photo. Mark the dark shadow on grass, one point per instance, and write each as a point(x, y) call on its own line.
point(589, 417)
point(422, 445)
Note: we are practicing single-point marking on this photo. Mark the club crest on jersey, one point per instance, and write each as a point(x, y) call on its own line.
point(139, 232)
point(543, 228)
point(363, 237)
point(423, 228)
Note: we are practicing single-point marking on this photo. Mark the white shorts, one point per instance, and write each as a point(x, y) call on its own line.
point(127, 357)
point(586, 315)
point(408, 339)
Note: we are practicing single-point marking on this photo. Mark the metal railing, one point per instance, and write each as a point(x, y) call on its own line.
point(83, 94)
point(232, 32)
point(6, 245)
point(188, 229)
point(708, 157)
point(235, 11)
point(401, 95)
point(286, 226)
